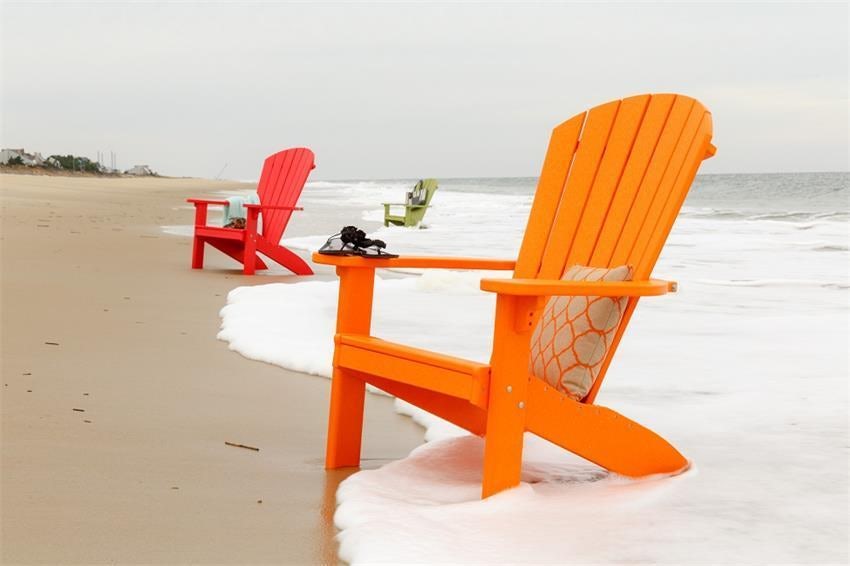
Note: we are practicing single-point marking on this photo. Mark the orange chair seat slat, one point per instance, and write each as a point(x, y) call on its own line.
point(428, 370)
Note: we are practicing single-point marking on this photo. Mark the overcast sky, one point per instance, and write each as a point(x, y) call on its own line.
point(383, 90)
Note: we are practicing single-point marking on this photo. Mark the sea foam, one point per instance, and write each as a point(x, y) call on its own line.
point(744, 370)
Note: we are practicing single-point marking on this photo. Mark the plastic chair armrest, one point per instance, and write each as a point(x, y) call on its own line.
point(271, 207)
point(417, 262)
point(197, 201)
point(544, 287)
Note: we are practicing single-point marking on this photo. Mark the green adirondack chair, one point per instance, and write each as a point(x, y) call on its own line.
point(418, 201)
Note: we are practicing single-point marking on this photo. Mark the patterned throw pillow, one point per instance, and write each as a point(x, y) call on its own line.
point(573, 334)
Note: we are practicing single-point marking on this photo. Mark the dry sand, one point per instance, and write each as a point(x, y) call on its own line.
point(117, 399)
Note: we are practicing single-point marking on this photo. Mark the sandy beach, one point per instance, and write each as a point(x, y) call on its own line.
point(117, 399)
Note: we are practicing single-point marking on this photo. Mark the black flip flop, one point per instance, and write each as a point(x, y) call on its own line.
point(336, 246)
point(353, 241)
point(374, 252)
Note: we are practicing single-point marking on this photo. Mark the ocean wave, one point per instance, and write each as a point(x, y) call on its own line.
point(802, 216)
point(775, 283)
point(793, 216)
point(831, 248)
point(706, 212)
point(789, 215)
point(820, 246)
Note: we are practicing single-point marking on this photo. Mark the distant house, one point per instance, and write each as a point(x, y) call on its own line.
point(53, 162)
point(140, 170)
point(30, 159)
point(7, 154)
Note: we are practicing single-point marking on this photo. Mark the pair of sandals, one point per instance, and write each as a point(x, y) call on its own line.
point(353, 241)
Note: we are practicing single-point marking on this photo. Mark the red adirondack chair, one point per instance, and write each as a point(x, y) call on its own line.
point(281, 182)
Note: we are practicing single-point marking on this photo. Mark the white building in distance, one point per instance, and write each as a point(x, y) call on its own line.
point(140, 170)
point(29, 159)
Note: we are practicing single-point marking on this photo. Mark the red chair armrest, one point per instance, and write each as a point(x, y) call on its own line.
point(197, 201)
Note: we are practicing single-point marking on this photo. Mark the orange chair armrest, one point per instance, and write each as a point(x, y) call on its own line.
point(272, 207)
point(543, 287)
point(416, 262)
point(206, 201)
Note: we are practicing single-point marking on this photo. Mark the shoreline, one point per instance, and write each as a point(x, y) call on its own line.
point(102, 313)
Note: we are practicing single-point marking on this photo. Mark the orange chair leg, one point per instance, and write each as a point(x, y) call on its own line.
point(506, 410)
point(348, 392)
point(345, 421)
point(502, 445)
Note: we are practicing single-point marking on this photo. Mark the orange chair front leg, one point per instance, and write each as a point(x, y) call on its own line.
point(507, 405)
point(345, 419)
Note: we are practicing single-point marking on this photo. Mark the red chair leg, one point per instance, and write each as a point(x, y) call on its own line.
point(249, 258)
point(197, 253)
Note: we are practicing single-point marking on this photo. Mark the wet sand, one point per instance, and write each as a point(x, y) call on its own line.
point(117, 399)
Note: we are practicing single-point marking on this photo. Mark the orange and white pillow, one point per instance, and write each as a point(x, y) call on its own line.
point(573, 334)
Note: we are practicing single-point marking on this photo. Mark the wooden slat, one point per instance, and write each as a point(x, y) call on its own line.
point(297, 179)
point(658, 204)
point(415, 354)
point(284, 175)
point(661, 211)
point(206, 201)
point(658, 235)
point(550, 189)
point(585, 165)
point(545, 287)
point(620, 143)
point(435, 372)
point(648, 187)
point(644, 147)
point(292, 186)
point(269, 182)
point(289, 178)
point(283, 163)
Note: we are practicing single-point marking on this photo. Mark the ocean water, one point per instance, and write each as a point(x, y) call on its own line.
point(745, 370)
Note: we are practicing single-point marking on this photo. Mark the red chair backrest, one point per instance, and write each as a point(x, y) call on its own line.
point(281, 182)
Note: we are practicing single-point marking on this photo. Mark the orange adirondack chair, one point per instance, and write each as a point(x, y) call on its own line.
point(612, 183)
point(281, 182)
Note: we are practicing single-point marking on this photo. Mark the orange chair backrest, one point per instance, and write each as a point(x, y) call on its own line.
point(281, 182)
point(613, 181)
